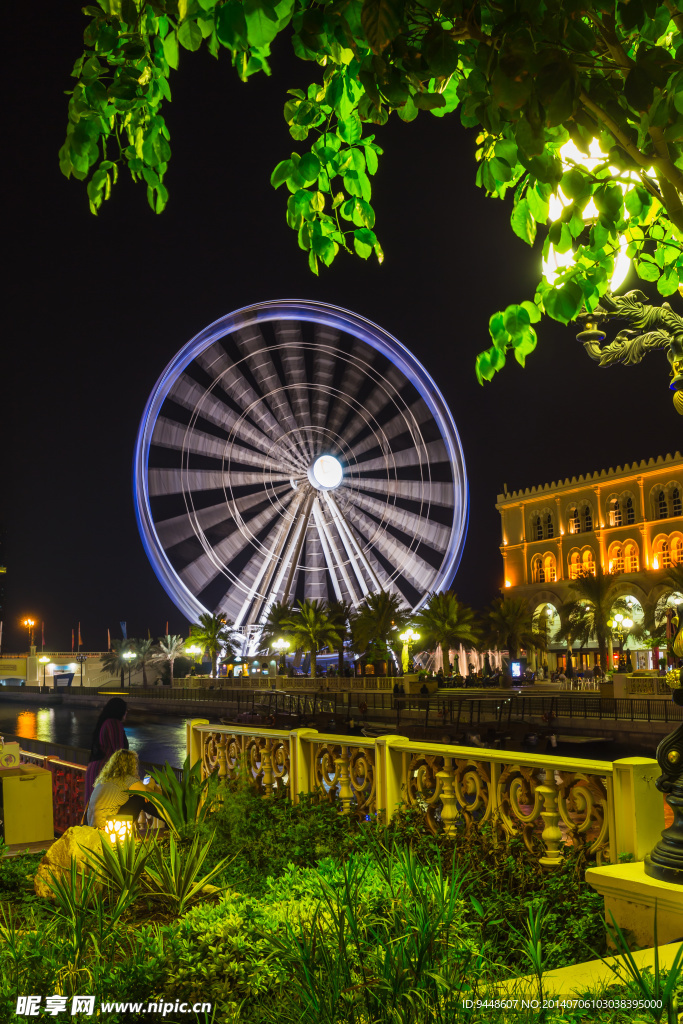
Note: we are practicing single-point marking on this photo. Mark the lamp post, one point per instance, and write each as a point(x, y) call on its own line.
point(29, 624)
point(408, 638)
point(620, 625)
point(194, 651)
point(44, 661)
point(81, 658)
point(281, 646)
point(129, 656)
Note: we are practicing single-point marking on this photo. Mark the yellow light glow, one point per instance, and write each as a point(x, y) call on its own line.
point(558, 261)
point(119, 829)
point(655, 563)
point(507, 583)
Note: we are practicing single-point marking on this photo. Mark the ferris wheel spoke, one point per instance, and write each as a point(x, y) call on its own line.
point(427, 455)
point(263, 368)
point(341, 557)
point(327, 552)
point(351, 384)
point(408, 421)
point(169, 434)
point(413, 525)
point(354, 553)
point(292, 357)
point(179, 528)
point(407, 561)
point(424, 492)
point(315, 583)
point(382, 395)
point(282, 579)
point(216, 363)
point(324, 362)
point(190, 395)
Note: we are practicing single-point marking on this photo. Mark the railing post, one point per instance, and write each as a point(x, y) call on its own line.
point(267, 763)
point(449, 803)
point(389, 751)
point(195, 740)
point(638, 807)
point(551, 835)
point(341, 763)
point(301, 762)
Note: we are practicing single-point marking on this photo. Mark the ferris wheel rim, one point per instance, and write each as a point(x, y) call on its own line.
point(324, 314)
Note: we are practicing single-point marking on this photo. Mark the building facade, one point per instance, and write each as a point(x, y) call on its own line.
point(629, 520)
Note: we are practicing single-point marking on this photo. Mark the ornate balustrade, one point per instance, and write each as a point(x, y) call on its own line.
point(551, 802)
point(68, 787)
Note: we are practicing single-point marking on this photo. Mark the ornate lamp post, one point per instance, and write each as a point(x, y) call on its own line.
point(408, 638)
point(281, 646)
point(29, 624)
point(620, 625)
point(649, 328)
point(666, 860)
point(129, 656)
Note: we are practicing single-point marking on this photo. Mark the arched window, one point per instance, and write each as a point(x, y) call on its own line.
point(588, 562)
point(631, 559)
point(630, 512)
point(677, 550)
point(676, 502)
point(537, 575)
point(538, 528)
point(574, 525)
point(665, 555)
point(616, 561)
point(574, 565)
point(614, 512)
point(549, 569)
point(662, 507)
point(587, 519)
point(549, 529)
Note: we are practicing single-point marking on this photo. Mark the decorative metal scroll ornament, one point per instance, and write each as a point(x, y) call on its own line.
point(651, 327)
point(666, 860)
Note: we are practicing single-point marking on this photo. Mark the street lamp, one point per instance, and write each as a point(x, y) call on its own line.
point(29, 624)
point(408, 638)
point(620, 625)
point(44, 661)
point(281, 646)
point(128, 655)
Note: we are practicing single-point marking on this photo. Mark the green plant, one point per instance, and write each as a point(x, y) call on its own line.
point(655, 990)
point(532, 945)
point(184, 802)
point(120, 867)
point(174, 875)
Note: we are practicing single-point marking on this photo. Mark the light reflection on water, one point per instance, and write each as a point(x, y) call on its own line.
point(156, 738)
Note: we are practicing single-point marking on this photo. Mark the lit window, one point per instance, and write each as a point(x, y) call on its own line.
point(536, 570)
point(588, 563)
point(549, 571)
point(677, 551)
point(574, 526)
point(665, 553)
point(538, 528)
point(631, 558)
point(676, 501)
point(574, 565)
point(587, 519)
point(549, 528)
point(630, 511)
point(614, 512)
point(662, 508)
point(618, 560)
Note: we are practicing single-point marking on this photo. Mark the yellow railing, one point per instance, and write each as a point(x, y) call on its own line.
point(549, 801)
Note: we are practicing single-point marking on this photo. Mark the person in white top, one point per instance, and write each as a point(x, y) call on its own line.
point(111, 796)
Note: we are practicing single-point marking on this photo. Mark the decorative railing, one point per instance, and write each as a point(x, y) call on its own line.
point(68, 787)
point(550, 802)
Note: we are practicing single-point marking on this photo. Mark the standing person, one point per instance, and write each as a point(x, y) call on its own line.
point(108, 737)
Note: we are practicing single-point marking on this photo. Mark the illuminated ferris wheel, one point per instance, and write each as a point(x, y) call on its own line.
point(294, 450)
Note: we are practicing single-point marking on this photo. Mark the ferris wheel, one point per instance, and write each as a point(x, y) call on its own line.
point(293, 450)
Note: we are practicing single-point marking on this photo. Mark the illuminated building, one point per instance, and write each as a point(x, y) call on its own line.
point(629, 520)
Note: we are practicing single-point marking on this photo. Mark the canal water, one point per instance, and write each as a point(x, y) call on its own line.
point(156, 738)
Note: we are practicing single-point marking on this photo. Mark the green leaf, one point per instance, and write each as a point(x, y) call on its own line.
point(371, 160)
point(516, 320)
point(309, 168)
point(351, 129)
point(363, 242)
point(190, 35)
point(668, 282)
point(381, 21)
point(428, 100)
point(262, 23)
point(171, 50)
point(523, 223)
point(647, 271)
point(533, 311)
point(441, 54)
point(231, 25)
point(564, 303)
point(282, 172)
point(538, 206)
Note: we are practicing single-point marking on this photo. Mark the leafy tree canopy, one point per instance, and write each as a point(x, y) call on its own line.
point(530, 76)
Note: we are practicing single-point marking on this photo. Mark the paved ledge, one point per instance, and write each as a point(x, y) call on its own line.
point(593, 976)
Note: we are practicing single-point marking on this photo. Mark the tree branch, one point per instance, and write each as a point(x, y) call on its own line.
point(670, 192)
point(676, 15)
point(627, 144)
point(609, 37)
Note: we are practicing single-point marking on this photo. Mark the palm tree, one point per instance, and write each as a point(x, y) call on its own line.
point(339, 613)
point(377, 623)
point(509, 625)
point(169, 648)
point(144, 655)
point(275, 627)
point(446, 623)
point(311, 629)
point(114, 661)
point(591, 602)
point(213, 633)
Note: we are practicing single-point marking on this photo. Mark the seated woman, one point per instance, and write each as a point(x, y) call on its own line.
point(110, 795)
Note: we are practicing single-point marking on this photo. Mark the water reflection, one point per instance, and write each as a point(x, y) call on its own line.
point(156, 738)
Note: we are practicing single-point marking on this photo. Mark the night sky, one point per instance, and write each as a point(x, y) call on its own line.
point(98, 305)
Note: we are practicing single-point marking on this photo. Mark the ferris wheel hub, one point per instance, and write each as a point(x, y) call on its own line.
point(326, 473)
